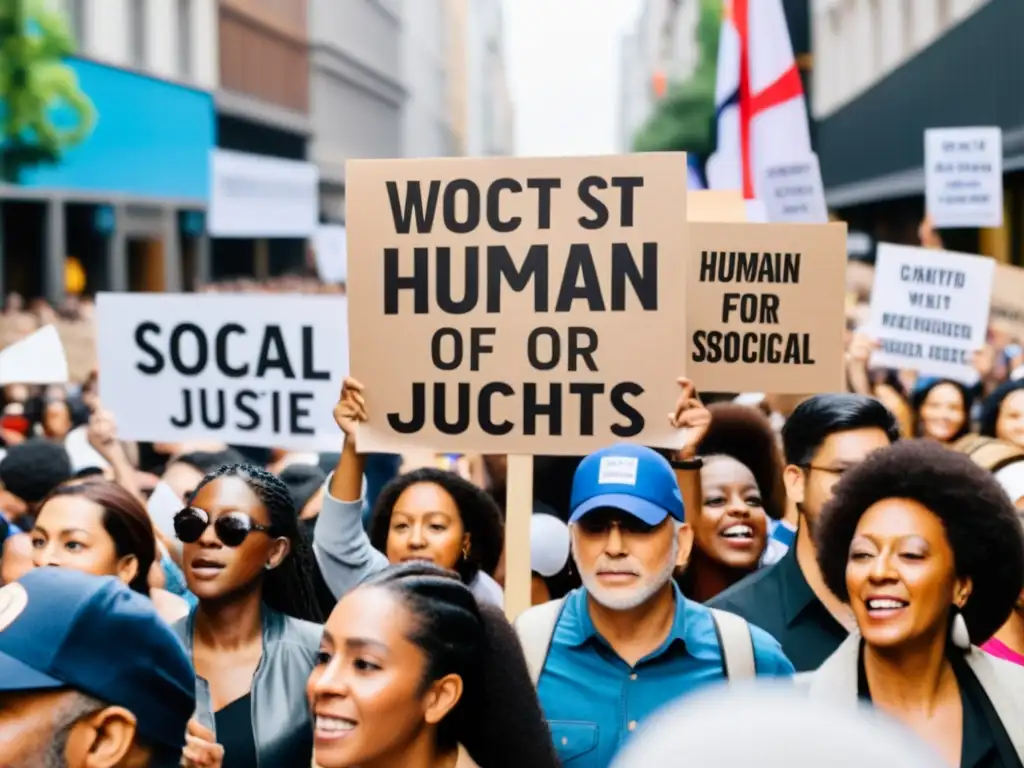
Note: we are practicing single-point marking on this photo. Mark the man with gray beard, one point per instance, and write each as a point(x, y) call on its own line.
point(627, 642)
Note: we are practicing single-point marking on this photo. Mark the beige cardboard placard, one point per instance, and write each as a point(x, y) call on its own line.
point(764, 307)
point(1006, 312)
point(522, 307)
point(722, 205)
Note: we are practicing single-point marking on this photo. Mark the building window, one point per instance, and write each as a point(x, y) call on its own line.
point(185, 38)
point(137, 33)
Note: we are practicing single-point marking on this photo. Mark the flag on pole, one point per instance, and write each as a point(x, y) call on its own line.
point(759, 102)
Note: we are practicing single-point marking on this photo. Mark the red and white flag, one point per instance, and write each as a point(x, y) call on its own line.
point(759, 100)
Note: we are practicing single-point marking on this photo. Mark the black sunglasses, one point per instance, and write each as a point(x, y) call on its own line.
point(231, 528)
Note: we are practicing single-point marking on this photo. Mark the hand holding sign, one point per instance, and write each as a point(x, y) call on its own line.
point(102, 431)
point(351, 408)
point(690, 414)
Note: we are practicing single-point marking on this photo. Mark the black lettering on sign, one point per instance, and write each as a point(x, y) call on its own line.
point(142, 331)
point(747, 308)
point(450, 356)
point(453, 408)
point(285, 413)
point(626, 185)
point(904, 348)
point(457, 278)
point(188, 348)
point(579, 280)
point(202, 349)
point(929, 325)
point(464, 206)
point(544, 348)
point(740, 267)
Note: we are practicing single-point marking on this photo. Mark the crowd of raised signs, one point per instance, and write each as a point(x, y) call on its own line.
point(860, 553)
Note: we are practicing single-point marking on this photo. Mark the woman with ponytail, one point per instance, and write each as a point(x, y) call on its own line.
point(412, 671)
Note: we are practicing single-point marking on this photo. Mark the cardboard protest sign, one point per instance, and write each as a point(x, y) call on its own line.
point(964, 177)
point(764, 307)
point(517, 306)
point(716, 205)
point(1007, 310)
point(793, 192)
point(35, 359)
point(929, 310)
point(245, 369)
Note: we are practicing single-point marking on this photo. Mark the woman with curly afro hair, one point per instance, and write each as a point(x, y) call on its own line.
point(928, 552)
point(427, 514)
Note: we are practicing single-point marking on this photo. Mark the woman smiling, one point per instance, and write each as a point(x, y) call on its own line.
point(412, 672)
point(927, 550)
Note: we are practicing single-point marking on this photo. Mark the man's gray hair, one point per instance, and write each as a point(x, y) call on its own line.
point(74, 708)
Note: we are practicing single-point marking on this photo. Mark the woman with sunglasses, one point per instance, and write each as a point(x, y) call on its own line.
point(252, 636)
point(428, 514)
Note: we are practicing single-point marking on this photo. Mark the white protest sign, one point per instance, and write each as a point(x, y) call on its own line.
point(330, 247)
point(964, 177)
point(792, 191)
point(929, 310)
point(245, 369)
point(757, 212)
point(163, 505)
point(36, 359)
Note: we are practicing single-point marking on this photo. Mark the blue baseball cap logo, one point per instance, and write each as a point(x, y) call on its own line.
point(630, 478)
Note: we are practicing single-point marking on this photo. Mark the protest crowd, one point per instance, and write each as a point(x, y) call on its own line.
point(580, 467)
point(267, 606)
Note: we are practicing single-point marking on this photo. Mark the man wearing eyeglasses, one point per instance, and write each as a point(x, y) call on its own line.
point(823, 437)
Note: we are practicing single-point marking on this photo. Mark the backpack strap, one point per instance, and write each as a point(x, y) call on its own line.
point(738, 661)
point(535, 628)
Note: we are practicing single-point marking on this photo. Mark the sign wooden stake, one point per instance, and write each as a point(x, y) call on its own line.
point(518, 513)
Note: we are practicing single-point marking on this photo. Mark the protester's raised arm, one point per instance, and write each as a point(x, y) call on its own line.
point(340, 544)
point(346, 483)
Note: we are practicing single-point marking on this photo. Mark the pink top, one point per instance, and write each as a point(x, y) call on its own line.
point(1002, 651)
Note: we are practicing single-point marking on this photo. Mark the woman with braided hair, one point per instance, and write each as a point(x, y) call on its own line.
point(414, 672)
point(254, 634)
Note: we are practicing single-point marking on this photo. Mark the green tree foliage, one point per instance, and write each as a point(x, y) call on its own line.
point(684, 120)
point(42, 108)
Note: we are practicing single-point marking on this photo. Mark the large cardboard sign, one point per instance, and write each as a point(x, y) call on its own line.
point(764, 307)
point(929, 309)
point(252, 369)
point(1007, 311)
point(517, 305)
point(964, 176)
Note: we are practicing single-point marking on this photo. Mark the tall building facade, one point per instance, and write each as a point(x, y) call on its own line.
point(262, 185)
point(124, 207)
point(490, 114)
point(358, 92)
point(887, 70)
point(427, 120)
point(457, 59)
point(658, 49)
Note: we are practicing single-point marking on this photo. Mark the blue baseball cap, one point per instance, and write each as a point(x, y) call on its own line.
point(631, 478)
point(63, 629)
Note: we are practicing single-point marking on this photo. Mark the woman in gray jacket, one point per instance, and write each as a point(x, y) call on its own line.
point(254, 634)
point(926, 549)
point(428, 514)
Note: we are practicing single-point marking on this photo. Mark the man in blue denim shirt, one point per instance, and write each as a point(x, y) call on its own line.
point(628, 642)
